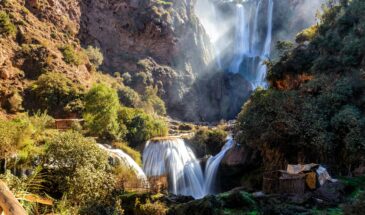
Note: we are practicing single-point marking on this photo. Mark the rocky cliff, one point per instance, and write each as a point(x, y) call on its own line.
point(160, 41)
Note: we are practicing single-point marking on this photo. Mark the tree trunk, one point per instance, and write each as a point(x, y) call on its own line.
point(8, 203)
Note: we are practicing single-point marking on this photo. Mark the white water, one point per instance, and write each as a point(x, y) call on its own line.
point(251, 47)
point(129, 162)
point(173, 158)
point(212, 166)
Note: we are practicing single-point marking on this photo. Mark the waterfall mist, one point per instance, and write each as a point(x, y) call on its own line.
point(243, 32)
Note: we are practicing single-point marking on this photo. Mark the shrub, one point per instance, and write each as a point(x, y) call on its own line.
point(57, 94)
point(101, 112)
point(152, 103)
point(209, 141)
point(141, 126)
point(71, 56)
point(95, 56)
point(76, 166)
point(6, 26)
point(156, 208)
point(129, 98)
point(127, 78)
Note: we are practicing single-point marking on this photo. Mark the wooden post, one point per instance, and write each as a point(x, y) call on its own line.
point(8, 203)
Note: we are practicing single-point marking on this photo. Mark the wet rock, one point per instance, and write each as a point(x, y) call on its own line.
point(241, 167)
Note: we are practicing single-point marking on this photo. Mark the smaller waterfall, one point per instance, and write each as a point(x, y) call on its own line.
point(129, 162)
point(212, 166)
point(173, 158)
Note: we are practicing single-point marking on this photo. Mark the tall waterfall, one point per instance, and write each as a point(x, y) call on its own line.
point(172, 157)
point(252, 44)
point(242, 38)
point(127, 161)
point(212, 166)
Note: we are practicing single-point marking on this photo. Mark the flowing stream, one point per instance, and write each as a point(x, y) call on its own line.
point(173, 158)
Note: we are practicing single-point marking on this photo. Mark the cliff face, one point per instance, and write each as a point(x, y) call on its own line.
point(162, 39)
point(166, 36)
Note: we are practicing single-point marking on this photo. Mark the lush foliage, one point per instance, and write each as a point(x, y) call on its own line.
point(75, 166)
point(314, 110)
point(56, 94)
point(101, 112)
point(209, 141)
point(141, 126)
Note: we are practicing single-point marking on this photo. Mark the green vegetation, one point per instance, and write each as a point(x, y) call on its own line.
point(72, 56)
point(7, 28)
point(314, 110)
point(106, 118)
point(209, 141)
point(56, 94)
point(153, 103)
point(76, 166)
point(129, 98)
point(95, 56)
point(101, 112)
point(141, 126)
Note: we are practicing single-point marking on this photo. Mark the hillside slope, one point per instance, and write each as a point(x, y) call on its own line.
point(314, 110)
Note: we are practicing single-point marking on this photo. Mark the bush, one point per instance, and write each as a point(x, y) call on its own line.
point(56, 94)
point(71, 56)
point(141, 126)
point(155, 208)
point(209, 141)
point(152, 103)
point(129, 98)
point(101, 112)
point(95, 56)
point(76, 166)
point(7, 28)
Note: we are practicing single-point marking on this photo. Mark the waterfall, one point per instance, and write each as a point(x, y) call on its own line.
point(242, 42)
point(212, 166)
point(252, 48)
point(244, 51)
point(129, 162)
point(173, 158)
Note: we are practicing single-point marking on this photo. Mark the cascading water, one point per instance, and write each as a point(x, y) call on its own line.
point(129, 162)
point(172, 157)
point(212, 166)
point(244, 51)
point(252, 41)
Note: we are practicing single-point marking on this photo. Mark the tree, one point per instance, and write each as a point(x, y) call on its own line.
point(76, 166)
point(101, 112)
